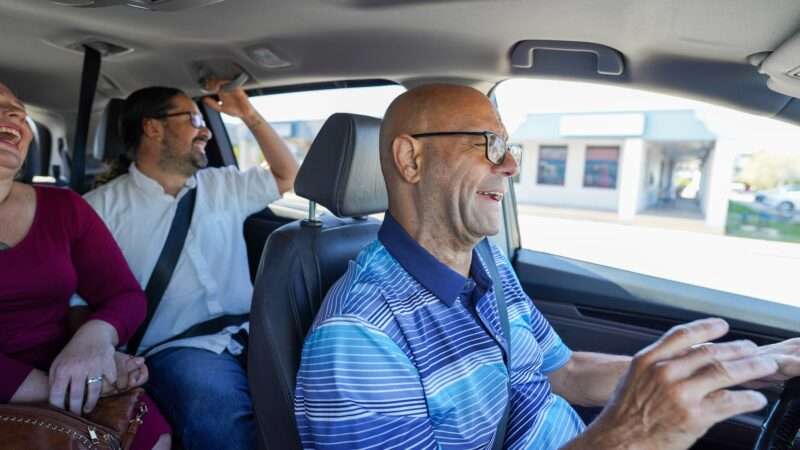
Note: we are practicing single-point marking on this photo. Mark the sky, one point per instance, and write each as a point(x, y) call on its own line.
point(519, 97)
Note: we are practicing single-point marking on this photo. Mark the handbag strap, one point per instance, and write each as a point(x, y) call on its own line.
point(166, 263)
point(485, 250)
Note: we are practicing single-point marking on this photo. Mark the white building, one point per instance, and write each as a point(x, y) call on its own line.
point(626, 162)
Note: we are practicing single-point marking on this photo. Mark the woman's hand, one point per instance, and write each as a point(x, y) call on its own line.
point(78, 372)
point(131, 373)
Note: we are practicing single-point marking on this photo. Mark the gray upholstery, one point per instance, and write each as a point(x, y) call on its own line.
point(342, 169)
point(302, 259)
point(107, 140)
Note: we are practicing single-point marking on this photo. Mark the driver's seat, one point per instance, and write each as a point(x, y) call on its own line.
point(302, 259)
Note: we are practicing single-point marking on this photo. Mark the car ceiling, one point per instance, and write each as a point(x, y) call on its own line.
point(694, 47)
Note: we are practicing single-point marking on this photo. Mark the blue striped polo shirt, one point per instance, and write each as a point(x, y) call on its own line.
point(405, 353)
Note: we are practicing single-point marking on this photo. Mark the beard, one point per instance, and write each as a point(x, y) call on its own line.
point(186, 163)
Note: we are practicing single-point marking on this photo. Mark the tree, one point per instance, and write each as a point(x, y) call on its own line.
point(768, 169)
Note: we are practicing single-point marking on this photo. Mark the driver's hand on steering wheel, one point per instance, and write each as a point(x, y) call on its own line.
point(676, 389)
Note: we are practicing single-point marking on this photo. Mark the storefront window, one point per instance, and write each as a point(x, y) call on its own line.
point(552, 165)
point(601, 167)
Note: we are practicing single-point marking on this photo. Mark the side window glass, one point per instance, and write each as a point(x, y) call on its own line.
point(670, 187)
point(298, 116)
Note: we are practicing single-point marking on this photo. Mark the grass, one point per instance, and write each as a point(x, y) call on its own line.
point(751, 222)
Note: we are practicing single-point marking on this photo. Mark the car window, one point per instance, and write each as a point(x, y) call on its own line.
point(298, 116)
point(665, 186)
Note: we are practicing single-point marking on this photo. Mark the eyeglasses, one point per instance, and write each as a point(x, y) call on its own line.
point(495, 146)
point(196, 118)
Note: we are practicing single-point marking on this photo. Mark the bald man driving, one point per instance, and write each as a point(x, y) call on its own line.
point(409, 349)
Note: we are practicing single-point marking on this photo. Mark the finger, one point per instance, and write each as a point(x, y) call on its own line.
point(724, 404)
point(699, 356)
point(214, 84)
point(213, 104)
point(722, 374)
point(77, 389)
point(134, 363)
point(58, 390)
point(789, 366)
point(142, 376)
point(93, 393)
point(679, 338)
point(108, 389)
point(123, 381)
point(110, 370)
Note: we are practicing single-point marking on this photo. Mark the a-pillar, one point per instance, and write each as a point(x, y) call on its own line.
point(630, 177)
point(720, 175)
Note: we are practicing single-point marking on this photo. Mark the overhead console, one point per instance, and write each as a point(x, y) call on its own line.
point(782, 66)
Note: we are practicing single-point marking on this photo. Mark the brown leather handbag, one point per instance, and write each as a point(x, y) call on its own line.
point(112, 425)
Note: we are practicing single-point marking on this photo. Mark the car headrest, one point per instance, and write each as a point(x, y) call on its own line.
point(107, 140)
point(342, 170)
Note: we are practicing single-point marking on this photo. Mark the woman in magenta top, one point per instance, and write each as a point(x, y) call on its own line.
point(52, 245)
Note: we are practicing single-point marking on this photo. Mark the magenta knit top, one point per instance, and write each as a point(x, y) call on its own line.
point(67, 250)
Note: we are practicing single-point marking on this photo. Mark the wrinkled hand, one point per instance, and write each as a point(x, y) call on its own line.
point(234, 103)
point(787, 355)
point(675, 390)
point(131, 372)
point(89, 354)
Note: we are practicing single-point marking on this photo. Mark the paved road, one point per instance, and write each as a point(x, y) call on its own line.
point(762, 269)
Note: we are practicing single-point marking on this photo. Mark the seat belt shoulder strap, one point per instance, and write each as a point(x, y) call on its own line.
point(485, 251)
point(165, 266)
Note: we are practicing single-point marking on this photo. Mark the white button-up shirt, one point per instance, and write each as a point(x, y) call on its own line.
point(211, 277)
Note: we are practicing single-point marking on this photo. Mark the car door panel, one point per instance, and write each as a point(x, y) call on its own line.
point(601, 309)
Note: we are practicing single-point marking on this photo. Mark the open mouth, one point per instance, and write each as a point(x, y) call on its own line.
point(10, 135)
point(492, 195)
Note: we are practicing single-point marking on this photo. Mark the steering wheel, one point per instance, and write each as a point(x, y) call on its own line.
point(779, 430)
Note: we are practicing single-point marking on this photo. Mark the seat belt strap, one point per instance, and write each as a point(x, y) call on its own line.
point(165, 266)
point(485, 251)
point(211, 326)
point(89, 77)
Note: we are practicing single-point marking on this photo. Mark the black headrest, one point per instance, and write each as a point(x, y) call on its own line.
point(107, 140)
point(342, 170)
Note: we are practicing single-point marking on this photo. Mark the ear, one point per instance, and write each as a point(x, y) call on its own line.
point(407, 154)
point(152, 128)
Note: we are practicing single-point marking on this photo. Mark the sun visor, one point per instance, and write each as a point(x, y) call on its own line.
point(782, 66)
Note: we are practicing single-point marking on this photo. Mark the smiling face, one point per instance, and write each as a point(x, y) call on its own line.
point(454, 191)
point(457, 179)
point(182, 146)
point(15, 133)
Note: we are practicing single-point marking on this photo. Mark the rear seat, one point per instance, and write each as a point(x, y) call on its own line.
point(107, 140)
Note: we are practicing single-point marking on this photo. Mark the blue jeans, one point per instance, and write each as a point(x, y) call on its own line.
point(205, 397)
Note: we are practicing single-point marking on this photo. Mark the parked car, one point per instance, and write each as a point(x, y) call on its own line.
point(785, 199)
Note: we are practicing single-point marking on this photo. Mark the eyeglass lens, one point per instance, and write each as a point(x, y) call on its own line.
point(496, 149)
